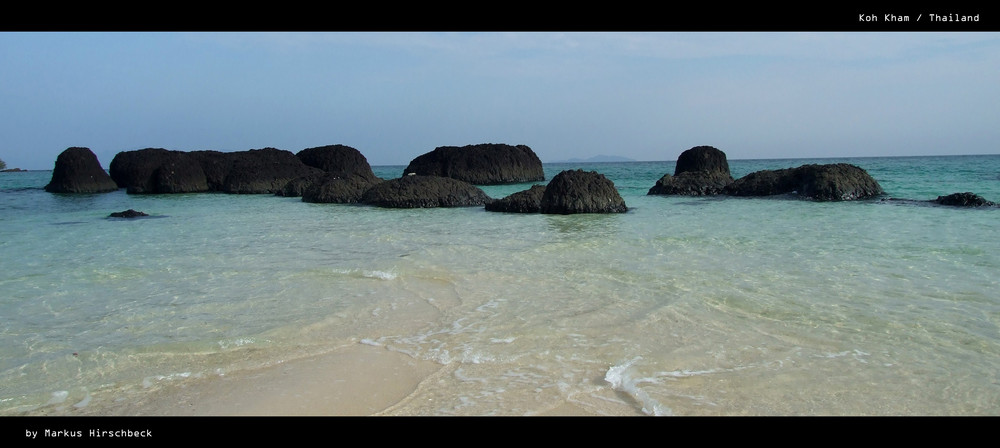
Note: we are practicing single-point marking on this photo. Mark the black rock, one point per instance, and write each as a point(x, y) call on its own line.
point(77, 170)
point(581, 192)
point(527, 201)
point(257, 171)
point(158, 170)
point(127, 214)
point(828, 182)
point(966, 199)
point(263, 171)
point(483, 164)
point(338, 188)
point(700, 171)
point(296, 187)
point(339, 159)
point(414, 191)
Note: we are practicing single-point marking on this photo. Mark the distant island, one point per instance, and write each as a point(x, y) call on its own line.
point(597, 158)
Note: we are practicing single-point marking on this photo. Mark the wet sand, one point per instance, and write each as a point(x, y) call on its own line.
point(359, 380)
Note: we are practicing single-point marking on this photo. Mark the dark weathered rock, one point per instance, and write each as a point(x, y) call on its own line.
point(483, 164)
point(77, 170)
point(414, 191)
point(339, 159)
point(581, 192)
point(296, 187)
point(127, 214)
point(215, 165)
point(527, 201)
point(700, 171)
point(829, 182)
point(691, 184)
point(764, 183)
point(263, 171)
point(706, 159)
point(337, 188)
point(836, 182)
point(966, 199)
point(158, 170)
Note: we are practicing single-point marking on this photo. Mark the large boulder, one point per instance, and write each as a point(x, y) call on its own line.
point(336, 188)
point(158, 170)
point(216, 166)
point(77, 170)
point(338, 159)
point(700, 171)
point(483, 164)
point(298, 186)
point(581, 192)
point(263, 171)
point(413, 191)
point(826, 182)
point(966, 199)
point(527, 201)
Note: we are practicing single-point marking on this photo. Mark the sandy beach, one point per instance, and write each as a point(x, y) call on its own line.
point(359, 380)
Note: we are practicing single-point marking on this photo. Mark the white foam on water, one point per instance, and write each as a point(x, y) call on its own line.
point(373, 274)
point(150, 381)
point(621, 380)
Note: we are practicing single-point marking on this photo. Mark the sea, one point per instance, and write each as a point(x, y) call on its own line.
point(683, 306)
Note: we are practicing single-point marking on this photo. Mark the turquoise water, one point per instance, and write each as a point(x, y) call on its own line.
point(682, 306)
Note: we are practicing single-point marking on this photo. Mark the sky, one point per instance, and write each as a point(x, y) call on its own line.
point(396, 95)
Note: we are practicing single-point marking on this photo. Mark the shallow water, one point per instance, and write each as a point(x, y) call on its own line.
point(682, 306)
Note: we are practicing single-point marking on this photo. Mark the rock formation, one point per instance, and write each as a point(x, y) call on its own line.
point(829, 182)
point(296, 187)
point(527, 201)
point(128, 214)
point(702, 170)
point(77, 170)
point(338, 159)
point(266, 170)
point(347, 175)
point(338, 188)
point(257, 171)
point(424, 191)
point(483, 164)
point(158, 170)
point(966, 199)
point(581, 192)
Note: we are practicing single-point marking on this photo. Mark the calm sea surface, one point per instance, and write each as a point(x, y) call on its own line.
point(682, 306)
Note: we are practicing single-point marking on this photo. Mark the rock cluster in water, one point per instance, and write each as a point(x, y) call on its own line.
point(829, 182)
point(569, 192)
point(158, 171)
point(704, 170)
point(446, 177)
point(700, 171)
point(483, 164)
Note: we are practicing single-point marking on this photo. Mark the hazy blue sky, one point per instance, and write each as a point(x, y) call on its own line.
point(393, 96)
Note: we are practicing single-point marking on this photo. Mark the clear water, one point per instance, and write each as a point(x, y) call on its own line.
point(682, 306)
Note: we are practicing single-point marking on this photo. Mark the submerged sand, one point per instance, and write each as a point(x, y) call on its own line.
point(359, 380)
